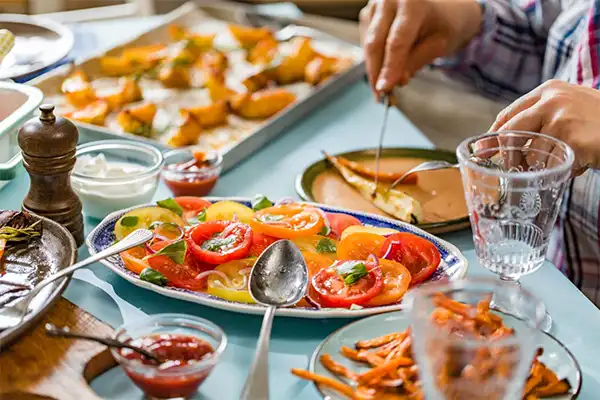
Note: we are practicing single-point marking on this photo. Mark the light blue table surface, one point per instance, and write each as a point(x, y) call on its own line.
point(349, 122)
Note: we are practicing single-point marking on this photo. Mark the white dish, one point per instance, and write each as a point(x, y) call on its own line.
point(452, 267)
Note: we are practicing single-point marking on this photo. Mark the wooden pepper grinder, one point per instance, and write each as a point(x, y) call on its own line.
point(48, 146)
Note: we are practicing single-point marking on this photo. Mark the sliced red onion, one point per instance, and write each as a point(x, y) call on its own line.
point(221, 275)
point(312, 302)
point(372, 259)
point(245, 271)
point(325, 219)
point(285, 200)
point(148, 248)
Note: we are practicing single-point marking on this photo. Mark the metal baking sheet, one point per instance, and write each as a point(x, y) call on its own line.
point(188, 15)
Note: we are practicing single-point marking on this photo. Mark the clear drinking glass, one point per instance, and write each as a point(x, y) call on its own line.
point(461, 366)
point(514, 184)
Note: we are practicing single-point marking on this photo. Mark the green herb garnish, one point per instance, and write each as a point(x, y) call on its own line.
point(129, 221)
point(352, 272)
point(260, 202)
point(326, 230)
point(326, 246)
point(143, 130)
point(175, 251)
point(152, 276)
point(10, 234)
point(201, 217)
point(180, 62)
point(217, 243)
point(172, 205)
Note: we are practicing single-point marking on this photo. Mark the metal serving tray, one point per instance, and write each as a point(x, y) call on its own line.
point(191, 14)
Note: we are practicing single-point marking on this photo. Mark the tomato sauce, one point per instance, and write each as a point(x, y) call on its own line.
point(177, 351)
point(196, 177)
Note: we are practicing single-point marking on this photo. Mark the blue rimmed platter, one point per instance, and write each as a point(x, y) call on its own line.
point(453, 266)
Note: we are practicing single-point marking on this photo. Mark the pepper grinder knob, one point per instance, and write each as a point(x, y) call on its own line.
point(48, 144)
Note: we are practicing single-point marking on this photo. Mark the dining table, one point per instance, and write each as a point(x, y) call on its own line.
point(348, 122)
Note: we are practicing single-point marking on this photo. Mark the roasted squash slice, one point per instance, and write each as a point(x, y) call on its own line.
point(248, 37)
point(209, 116)
point(261, 104)
point(187, 133)
point(94, 113)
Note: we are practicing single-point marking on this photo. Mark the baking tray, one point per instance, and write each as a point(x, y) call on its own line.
point(191, 14)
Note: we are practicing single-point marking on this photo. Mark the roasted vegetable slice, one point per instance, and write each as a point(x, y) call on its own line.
point(263, 52)
point(78, 90)
point(261, 104)
point(291, 68)
point(209, 116)
point(195, 42)
point(248, 37)
point(214, 61)
point(215, 83)
point(138, 120)
point(395, 203)
point(145, 54)
point(259, 80)
point(187, 133)
point(94, 113)
point(129, 92)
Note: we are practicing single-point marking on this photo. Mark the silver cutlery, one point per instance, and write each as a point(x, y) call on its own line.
point(279, 278)
point(386, 104)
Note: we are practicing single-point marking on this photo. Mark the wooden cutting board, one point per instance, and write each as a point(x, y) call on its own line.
point(39, 367)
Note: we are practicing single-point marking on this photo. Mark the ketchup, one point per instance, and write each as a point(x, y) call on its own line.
point(196, 177)
point(177, 351)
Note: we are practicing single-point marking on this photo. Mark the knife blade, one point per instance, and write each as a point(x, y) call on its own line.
point(386, 104)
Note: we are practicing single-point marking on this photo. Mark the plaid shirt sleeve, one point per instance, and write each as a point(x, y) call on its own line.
point(521, 44)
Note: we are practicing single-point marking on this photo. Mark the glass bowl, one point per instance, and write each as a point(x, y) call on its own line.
point(130, 179)
point(183, 180)
point(177, 382)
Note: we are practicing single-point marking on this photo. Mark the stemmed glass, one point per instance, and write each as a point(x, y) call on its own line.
point(456, 365)
point(514, 183)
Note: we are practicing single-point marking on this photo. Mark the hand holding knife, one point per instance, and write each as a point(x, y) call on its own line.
point(386, 100)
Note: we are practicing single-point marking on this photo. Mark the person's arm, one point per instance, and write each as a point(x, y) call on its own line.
point(521, 44)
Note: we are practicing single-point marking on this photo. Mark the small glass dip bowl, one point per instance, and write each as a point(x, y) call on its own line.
point(111, 175)
point(180, 381)
point(188, 172)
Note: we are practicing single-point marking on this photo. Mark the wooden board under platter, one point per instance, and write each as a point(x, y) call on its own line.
point(240, 137)
point(440, 192)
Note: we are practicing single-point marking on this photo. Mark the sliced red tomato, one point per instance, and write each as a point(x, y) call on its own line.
point(334, 290)
point(315, 263)
point(359, 246)
point(217, 242)
point(259, 243)
point(192, 206)
point(417, 254)
point(181, 276)
point(396, 280)
point(338, 222)
point(288, 221)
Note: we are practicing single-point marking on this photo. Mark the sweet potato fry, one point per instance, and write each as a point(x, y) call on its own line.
point(337, 368)
point(325, 381)
point(378, 341)
point(553, 389)
point(384, 369)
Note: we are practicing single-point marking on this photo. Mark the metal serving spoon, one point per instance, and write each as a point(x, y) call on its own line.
point(13, 315)
point(64, 332)
point(279, 278)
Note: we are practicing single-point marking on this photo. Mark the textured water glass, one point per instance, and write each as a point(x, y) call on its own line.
point(455, 364)
point(514, 184)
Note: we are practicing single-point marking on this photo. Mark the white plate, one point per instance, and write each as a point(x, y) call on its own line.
point(453, 266)
point(556, 356)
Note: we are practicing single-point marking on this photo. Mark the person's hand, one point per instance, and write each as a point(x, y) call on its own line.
point(402, 36)
point(562, 110)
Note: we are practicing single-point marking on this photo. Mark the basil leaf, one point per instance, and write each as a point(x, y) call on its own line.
point(201, 217)
point(152, 276)
point(216, 243)
point(326, 230)
point(130, 220)
point(352, 271)
point(326, 246)
point(260, 202)
point(172, 205)
point(175, 251)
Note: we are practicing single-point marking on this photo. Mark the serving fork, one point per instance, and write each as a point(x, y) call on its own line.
point(11, 316)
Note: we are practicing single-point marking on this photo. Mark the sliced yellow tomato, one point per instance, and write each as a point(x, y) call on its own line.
point(396, 279)
point(142, 218)
point(134, 259)
point(226, 210)
point(216, 287)
point(322, 245)
point(367, 229)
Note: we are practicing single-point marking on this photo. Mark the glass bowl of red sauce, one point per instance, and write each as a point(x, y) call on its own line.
point(187, 172)
point(189, 348)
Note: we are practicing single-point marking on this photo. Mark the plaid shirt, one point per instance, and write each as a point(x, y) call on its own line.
point(523, 43)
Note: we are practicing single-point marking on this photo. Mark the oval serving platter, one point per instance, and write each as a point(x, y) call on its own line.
point(556, 356)
point(453, 266)
point(411, 156)
point(31, 264)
